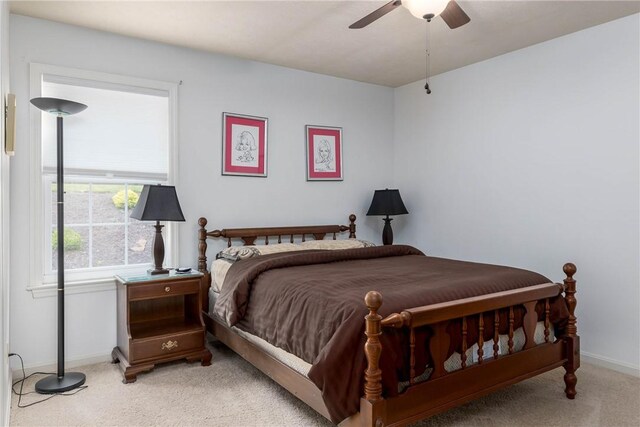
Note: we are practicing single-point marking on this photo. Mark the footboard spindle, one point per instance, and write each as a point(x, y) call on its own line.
point(546, 320)
point(412, 358)
point(510, 342)
point(480, 338)
point(496, 334)
point(463, 356)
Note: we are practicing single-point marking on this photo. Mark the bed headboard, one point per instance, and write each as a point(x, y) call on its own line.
point(250, 235)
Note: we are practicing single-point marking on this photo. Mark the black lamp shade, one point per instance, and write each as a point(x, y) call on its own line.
point(158, 203)
point(387, 202)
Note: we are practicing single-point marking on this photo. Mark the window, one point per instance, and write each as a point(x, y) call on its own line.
point(123, 140)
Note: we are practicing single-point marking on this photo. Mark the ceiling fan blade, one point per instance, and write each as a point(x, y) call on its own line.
point(454, 16)
point(376, 14)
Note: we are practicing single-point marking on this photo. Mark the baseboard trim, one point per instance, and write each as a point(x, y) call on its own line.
point(605, 362)
point(69, 364)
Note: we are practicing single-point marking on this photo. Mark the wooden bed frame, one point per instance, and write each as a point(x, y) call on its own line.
point(442, 390)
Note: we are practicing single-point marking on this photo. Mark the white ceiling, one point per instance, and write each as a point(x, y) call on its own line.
point(313, 35)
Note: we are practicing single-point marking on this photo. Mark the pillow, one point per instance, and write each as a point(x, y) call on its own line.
point(219, 269)
point(336, 244)
point(278, 247)
point(235, 253)
point(226, 257)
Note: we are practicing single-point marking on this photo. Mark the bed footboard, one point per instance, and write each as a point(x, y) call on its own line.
point(442, 389)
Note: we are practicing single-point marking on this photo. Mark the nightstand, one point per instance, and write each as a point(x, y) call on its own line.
point(159, 320)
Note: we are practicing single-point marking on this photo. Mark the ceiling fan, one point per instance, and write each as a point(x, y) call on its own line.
point(451, 13)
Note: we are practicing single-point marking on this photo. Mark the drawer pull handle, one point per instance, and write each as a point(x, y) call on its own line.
point(169, 345)
point(167, 288)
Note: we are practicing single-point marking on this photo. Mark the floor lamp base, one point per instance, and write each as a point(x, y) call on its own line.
point(55, 384)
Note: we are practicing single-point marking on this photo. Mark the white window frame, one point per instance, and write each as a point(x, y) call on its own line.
point(97, 279)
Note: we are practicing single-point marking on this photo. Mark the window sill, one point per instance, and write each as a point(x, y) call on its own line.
point(71, 288)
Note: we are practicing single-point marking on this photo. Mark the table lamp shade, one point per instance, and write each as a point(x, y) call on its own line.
point(387, 202)
point(158, 203)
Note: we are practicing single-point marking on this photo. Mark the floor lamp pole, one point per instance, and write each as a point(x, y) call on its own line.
point(60, 179)
point(62, 381)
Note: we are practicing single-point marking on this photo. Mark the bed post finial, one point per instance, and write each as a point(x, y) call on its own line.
point(202, 245)
point(352, 226)
point(373, 348)
point(572, 339)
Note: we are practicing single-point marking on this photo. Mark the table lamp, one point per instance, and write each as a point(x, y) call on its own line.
point(387, 202)
point(158, 203)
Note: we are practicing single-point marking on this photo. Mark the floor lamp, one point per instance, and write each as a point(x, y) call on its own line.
point(69, 380)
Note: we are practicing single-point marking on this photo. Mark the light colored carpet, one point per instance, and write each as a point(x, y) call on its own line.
point(231, 392)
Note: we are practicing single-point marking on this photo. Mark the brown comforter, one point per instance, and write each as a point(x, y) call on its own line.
point(310, 303)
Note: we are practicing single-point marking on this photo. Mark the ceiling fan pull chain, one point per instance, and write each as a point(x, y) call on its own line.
point(428, 54)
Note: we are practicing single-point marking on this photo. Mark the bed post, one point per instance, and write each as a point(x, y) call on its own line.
point(572, 339)
point(373, 348)
point(202, 245)
point(202, 262)
point(372, 406)
point(352, 226)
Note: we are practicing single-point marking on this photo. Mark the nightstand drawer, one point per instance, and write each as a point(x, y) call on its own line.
point(166, 346)
point(158, 290)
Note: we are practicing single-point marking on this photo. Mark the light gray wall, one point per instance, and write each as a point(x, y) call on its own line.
point(211, 84)
point(5, 378)
point(531, 159)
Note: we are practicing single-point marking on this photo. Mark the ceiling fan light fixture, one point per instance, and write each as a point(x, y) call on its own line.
point(423, 8)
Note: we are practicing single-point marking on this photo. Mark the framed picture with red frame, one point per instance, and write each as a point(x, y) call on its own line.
point(244, 145)
point(324, 153)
